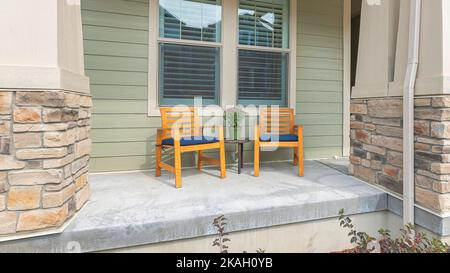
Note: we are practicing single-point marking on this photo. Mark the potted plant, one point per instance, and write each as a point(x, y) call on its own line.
point(234, 121)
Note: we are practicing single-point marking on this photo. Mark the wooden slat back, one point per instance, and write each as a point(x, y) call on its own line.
point(276, 120)
point(183, 119)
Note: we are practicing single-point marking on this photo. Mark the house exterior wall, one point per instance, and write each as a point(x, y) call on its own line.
point(116, 53)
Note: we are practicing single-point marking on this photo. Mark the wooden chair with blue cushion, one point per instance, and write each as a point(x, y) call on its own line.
point(276, 129)
point(182, 131)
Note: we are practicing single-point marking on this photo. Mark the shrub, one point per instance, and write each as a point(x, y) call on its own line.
point(410, 240)
point(220, 224)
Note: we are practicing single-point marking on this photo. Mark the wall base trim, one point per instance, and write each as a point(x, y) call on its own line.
point(42, 78)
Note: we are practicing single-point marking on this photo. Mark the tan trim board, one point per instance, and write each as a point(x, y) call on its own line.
point(42, 78)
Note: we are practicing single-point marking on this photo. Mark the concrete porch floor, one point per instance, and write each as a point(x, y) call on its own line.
point(130, 209)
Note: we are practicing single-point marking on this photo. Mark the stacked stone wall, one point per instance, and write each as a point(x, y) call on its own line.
point(377, 145)
point(44, 155)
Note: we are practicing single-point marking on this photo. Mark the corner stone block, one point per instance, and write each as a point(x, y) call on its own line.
point(60, 115)
point(27, 115)
point(2, 202)
point(28, 140)
point(437, 202)
point(51, 99)
point(35, 177)
point(43, 218)
point(57, 199)
point(385, 108)
point(5, 102)
point(82, 197)
point(24, 198)
point(3, 184)
point(5, 127)
point(9, 163)
point(8, 221)
point(59, 139)
point(440, 129)
point(42, 153)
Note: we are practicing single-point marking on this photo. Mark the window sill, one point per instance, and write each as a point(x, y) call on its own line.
point(210, 111)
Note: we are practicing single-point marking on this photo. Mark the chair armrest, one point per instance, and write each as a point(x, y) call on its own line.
point(298, 129)
point(161, 134)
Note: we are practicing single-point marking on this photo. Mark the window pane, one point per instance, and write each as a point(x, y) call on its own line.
point(187, 72)
point(198, 20)
point(264, 23)
point(262, 78)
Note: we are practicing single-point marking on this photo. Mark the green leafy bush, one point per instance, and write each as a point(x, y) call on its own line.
point(410, 240)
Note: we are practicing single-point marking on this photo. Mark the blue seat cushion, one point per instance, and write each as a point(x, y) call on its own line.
point(189, 141)
point(278, 138)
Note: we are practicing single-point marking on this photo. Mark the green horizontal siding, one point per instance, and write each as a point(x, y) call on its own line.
point(116, 60)
point(320, 76)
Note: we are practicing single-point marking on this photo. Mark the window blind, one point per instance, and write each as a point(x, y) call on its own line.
point(197, 20)
point(188, 72)
point(262, 78)
point(264, 23)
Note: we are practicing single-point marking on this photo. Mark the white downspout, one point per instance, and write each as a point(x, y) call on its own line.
point(408, 112)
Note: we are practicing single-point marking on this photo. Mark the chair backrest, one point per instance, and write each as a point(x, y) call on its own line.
point(184, 119)
point(276, 120)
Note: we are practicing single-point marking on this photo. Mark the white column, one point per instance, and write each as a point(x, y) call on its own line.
point(42, 45)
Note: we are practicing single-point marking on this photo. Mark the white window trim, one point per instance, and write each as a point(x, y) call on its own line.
point(229, 46)
point(347, 76)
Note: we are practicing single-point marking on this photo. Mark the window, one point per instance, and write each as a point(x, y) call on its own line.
point(187, 72)
point(262, 78)
point(225, 52)
point(263, 30)
point(198, 20)
point(189, 64)
point(264, 23)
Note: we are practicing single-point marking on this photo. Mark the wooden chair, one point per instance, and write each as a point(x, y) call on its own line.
point(276, 129)
point(182, 131)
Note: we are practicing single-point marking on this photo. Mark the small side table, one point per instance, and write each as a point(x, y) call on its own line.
point(240, 143)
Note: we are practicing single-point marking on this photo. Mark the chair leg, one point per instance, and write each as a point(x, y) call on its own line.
point(199, 160)
point(158, 160)
point(223, 173)
point(295, 157)
point(256, 160)
point(300, 154)
point(177, 155)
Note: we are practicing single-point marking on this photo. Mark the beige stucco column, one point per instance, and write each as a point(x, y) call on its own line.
point(44, 116)
point(383, 50)
point(434, 63)
point(42, 45)
point(376, 55)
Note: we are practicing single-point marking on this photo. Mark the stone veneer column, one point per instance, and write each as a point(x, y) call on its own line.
point(45, 110)
point(376, 140)
point(376, 109)
point(44, 155)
